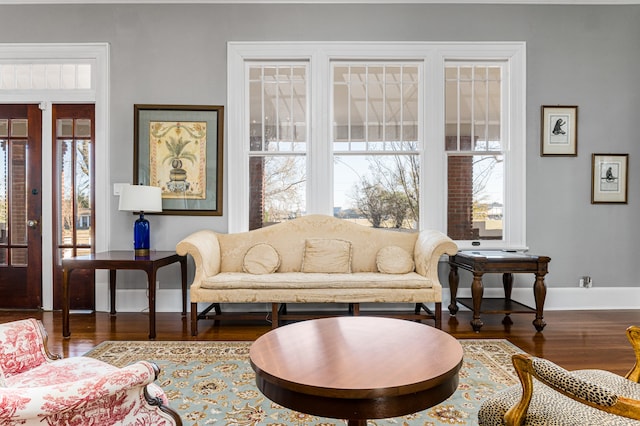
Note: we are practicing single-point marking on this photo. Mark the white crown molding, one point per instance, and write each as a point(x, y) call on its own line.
point(502, 2)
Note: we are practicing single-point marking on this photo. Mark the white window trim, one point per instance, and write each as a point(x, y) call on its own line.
point(433, 215)
point(98, 55)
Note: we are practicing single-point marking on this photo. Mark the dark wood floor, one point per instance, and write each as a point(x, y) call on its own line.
point(573, 339)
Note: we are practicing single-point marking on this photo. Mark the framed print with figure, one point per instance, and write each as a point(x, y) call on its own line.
point(609, 178)
point(179, 149)
point(559, 130)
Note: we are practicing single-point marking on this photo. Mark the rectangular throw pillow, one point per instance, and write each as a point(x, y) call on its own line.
point(328, 256)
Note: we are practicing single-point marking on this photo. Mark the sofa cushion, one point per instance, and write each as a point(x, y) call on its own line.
point(330, 256)
point(261, 259)
point(394, 260)
point(321, 281)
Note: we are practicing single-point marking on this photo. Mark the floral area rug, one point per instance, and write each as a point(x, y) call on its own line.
point(212, 383)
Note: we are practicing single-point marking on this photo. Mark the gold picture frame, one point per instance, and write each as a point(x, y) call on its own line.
point(179, 149)
point(609, 178)
point(559, 131)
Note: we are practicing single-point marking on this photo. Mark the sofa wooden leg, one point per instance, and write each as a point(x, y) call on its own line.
point(438, 315)
point(274, 315)
point(194, 319)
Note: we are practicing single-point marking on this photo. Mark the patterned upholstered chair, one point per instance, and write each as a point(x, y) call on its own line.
point(38, 388)
point(551, 395)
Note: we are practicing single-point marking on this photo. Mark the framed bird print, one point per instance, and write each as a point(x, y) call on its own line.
point(609, 178)
point(559, 129)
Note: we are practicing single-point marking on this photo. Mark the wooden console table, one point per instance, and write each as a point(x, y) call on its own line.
point(113, 260)
point(507, 263)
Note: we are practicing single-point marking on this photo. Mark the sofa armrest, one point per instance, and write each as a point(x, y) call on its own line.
point(430, 246)
point(204, 247)
point(37, 402)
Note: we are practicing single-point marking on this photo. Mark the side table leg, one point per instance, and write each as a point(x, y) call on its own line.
point(507, 284)
point(65, 302)
point(151, 274)
point(476, 293)
point(454, 280)
point(112, 290)
point(540, 293)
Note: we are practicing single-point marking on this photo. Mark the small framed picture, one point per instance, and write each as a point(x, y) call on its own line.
point(559, 130)
point(609, 178)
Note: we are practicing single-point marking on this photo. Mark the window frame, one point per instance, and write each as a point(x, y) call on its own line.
point(433, 184)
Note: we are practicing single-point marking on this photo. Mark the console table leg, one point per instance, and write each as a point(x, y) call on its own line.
point(476, 293)
point(540, 293)
point(454, 280)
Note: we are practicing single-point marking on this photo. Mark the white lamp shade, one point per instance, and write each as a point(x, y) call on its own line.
point(140, 198)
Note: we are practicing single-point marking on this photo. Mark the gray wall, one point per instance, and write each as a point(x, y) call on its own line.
point(576, 55)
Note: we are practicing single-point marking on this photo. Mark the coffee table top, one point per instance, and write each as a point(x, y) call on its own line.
point(323, 366)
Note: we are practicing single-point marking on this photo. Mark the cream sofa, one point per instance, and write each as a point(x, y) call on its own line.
point(315, 259)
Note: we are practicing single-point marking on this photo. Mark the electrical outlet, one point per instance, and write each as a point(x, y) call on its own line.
point(585, 282)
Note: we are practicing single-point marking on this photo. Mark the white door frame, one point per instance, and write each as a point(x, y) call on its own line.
point(97, 54)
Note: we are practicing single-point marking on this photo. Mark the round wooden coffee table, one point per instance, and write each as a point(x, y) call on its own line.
point(356, 368)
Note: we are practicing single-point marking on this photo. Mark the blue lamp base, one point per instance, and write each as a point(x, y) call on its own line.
point(141, 236)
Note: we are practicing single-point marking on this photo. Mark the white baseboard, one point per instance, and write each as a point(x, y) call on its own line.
point(565, 298)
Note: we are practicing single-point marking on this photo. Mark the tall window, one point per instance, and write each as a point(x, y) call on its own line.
point(474, 146)
point(278, 140)
point(376, 173)
point(396, 135)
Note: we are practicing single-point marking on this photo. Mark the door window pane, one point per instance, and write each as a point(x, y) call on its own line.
point(19, 256)
point(4, 194)
point(83, 192)
point(65, 191)
point(18, 213)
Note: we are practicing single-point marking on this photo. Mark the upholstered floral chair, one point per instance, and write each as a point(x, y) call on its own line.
point(38, 388)
point(551, 395)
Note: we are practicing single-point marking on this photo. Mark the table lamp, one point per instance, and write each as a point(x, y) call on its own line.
point(140, 198)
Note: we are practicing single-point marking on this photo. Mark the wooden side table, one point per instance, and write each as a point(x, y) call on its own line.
point(113, 260)
point(506, 263)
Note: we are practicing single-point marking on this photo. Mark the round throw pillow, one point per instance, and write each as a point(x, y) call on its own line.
point(261, 259)
point(394, 260)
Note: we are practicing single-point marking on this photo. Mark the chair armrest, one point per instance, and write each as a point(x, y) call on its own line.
point(633, 334)
point(28, 403)
point(430, 246)
point(204, 248)
point(23, 346)
point(566, 383)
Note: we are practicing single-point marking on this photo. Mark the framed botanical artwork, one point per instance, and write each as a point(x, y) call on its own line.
point(179, 149)
point(609, 178)
point(559, 131)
